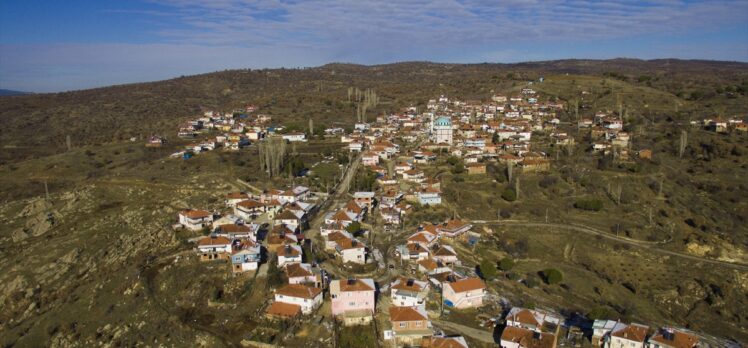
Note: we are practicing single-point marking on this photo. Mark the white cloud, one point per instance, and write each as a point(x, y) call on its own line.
point(213, 35)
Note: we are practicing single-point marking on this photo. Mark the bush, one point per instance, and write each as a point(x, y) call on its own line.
point(552, 276)
point(487, 269)
point(459, 168)
point(548, 181)
point(506, 264)
point(509, 195)
point(592, 204)
point(353, 227)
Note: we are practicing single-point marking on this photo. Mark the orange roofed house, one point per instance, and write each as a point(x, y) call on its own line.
point(214, 248)
point(306, 297)
point(673, 338)
point(530, 328)
point(353, 300)
point(409, 324)
point(464, 293)
point(195, 220)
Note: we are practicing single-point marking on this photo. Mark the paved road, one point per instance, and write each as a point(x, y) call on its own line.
point(632, 242)
point(340, 195)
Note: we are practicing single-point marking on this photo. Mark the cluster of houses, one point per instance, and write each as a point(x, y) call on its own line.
point(534, 328)
point(228, 130)
point(720, 125)
point(607, 135)
point(235, 236)
point(476, 132)
point(434, 260)
point(272, 224)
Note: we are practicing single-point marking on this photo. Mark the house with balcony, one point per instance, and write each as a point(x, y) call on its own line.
point(236, 231)
point(306, 297)
point(409, 292)
point(246, 257)
point(249, 209)
point(214, 248)
point(195, 220)
point(288, 254)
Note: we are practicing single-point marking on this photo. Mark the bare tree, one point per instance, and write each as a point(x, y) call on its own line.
point(683, 143)
point(509, 170)
point(272, 153)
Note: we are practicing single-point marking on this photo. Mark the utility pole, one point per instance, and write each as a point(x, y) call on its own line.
point(46, 189)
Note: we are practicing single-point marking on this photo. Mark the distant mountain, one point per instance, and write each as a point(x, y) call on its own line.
point(8, 92)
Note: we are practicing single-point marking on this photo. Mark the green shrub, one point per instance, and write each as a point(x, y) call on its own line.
point(509, 195)
point(353, 227)
point(552, 276)
point(487, 269)
point(591, 204)
point(506, 264)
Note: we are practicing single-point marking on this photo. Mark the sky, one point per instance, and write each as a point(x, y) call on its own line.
point(52, 46)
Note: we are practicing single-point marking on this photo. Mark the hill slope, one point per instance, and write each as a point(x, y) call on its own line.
point(43, 121)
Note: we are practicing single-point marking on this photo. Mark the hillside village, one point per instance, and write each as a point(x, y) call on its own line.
point(320, 241)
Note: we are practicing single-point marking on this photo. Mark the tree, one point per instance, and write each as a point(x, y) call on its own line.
point(552, 276)
point(506, 264)
point(295, 166)
point(509, 195)
point(453, 160)
point(272, 153)
point(459, 168)
point(487, 269)
point(353, 227)
point(495, 138)
point(683, 143)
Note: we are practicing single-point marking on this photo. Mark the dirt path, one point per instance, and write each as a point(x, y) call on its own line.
point(628, 241)
point(478, 334)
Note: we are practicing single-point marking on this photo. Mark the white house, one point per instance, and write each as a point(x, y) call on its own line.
point(351, 250)
point(302, 273)
point(289, 254)
point(629, 336)
point(464, 293)
point(213, 247)
point(429, 197)
point(409, 292)
point(247, 258)
point(294, 136)
point(234, 231)
point(308, 298)
point(195, 219)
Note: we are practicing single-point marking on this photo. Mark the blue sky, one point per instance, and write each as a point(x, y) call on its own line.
point(49, 46)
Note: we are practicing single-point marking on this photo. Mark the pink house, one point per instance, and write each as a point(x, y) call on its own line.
point(353, 300)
